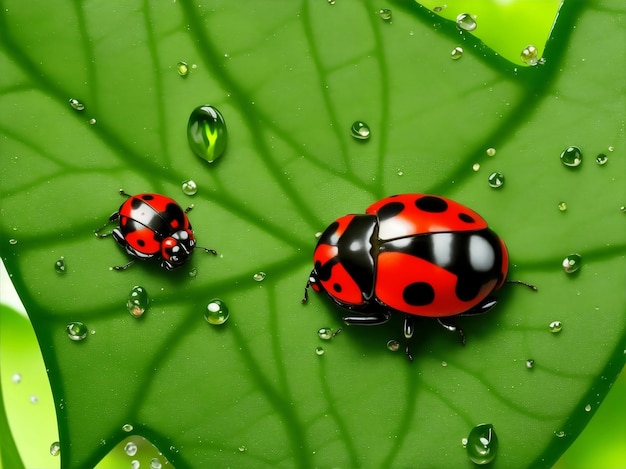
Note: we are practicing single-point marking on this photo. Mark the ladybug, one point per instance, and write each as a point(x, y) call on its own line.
point(153, 225)
point(416, 254)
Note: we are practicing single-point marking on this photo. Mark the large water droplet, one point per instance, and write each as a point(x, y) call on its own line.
point(182, 68)
point(530, 55)
point(130, 448)
point(457, 53)
point(360, 130)
point(206, 133)
point(555, 326)
point(393, 345)
point(76, 330)
point(55, 448)
point(482, 444)
point(572, 263)
point(59, 265)
point(572, 157)
point(385, 14)
point(465, 22)
point(601, 159)
point(76, 104)
point(189, 187)
point(325, 333)
point(138, 301)
point(496, 180)
point(216, 312)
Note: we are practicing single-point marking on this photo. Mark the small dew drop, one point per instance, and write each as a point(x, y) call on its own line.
point(242, 449)
point(155, 463)
point(385, 14)
point(560, 434)
point(130, 448)
point(259, 276)
point(182, 68)
point(601, 159)
point(59, 265)
point(622, 209)
point(400, 172)
point(16, 378)
point(482, 444)
point(33, 399)
point(572, 157)
point(189, 187)
point(193, 272)
point(76, 331)
point(465, 22)
point(360, 130)
point(611, 148)
point(588, 408)
point(530, 363)
point(325, 333)
point(456, 53)
point(92, 121)
point(13, 241)
point(138, 301)
point(555, 326)
point(491, 151)
point(55, 448)
point(476, 166)
point(393, 345)
point(464, 442)
point(319, 351)
point(562, 206)
point(530, 55)
point(444, 363)
point(76, 104)
point(127, 427)
point(134, 464)
point(216, 312)
point(206, 133)
point(572, 263)
point(496, 180)
point(331, 2)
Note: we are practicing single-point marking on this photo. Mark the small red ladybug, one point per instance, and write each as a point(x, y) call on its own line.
point(153, 225)
point(417, 254)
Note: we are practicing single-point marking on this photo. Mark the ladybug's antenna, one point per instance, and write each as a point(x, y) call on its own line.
point(211, 251)
point(519, 282)
point(121, 191)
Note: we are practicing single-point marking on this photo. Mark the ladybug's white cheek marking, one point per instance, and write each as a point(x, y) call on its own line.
point(442, 249)
point(481, 254)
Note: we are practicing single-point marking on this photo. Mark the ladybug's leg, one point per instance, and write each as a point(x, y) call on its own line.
point(453, 328)
point(408, 328)
point(114, 217)
point(373, 318)
point(519, 282)
point(189, 209)
point(123, 267)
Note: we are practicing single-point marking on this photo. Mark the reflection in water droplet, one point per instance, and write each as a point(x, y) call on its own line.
point(393, 345)
point(325, 333)
point(496, 180)
point(476, 166)
point(572, 157)
point(572, 263)
point(13, 241)
point(530, 363)
point(155, 463)
point(491, 151)
point(216, 312)
point(465, 22)
point(482, 444)
point(92, 121)
point(59, 265)
point(360, 130)
point(555, 326)
point(134, 464)
point(130, 448)
point(457, 53)
point(55, 448)
point(138, 301)
point(385, 14)
point(319, 351)
point(259, 276)
point(588, 408)
point(530, 55)
point(189, 187)
point(206, 133)
point(562, 206)
point(76, 104)
point(182, 68)
point(127, 427)
point(242, 449)
point(76, 330)
point(560, 434)
point(601, 159)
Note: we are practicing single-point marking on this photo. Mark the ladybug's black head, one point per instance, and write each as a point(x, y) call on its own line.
point(176, 249)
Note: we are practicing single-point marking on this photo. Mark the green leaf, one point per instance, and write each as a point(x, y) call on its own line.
point(290, 79)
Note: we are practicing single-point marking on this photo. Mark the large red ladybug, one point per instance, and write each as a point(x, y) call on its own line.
point(417, 254)
point(153, 225)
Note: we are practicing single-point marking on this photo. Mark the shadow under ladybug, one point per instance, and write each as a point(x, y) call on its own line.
point(153, 226)
point(413, 254)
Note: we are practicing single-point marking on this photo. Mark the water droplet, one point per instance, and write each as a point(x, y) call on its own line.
point(572, 157)
point(400, 172)
point(216, 312)
point(59, 265)
point(530, 363)
point(155, 463)
point(482, 444)
point(476, 166)
point(325, 333)
point(491, 151)
point(572, 263)
point(464, 442)
point(138, 301)
point(560, 434)
point(55, 448)
point(465, 22)
point(360, 130)
point(496, 180)
point(530, 55)
point(588, 408)
point(189, 187)
point(259, 276)
point(127, 427)
point(393, 345)
point(130, 448)
point(319, 351)
point(611, 148)
point(92, 121)
point(182, 68)
point(16, 378)
point(331, 2)
point(13, 241)
point(562, 206)
point(193, 272)
point(206, 133)
point(385, 14)
point(76, 330)
point(76, 104)
point(555, 326)
point(33, 399)
point(242, 448)
point(623, 209)
point(444, 363)
point(134, 464)
point(457, 53)
point(601, 159)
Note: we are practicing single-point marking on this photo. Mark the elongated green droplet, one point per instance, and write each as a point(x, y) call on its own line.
point(482, 444)
point(572, 157)
point(206, 133)
point(216, 312)
point(138, 301)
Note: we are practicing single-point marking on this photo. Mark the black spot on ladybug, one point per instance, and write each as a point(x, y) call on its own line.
point(147, 197)
point(337, 287)
point(390, 210)
point(418, 294)
point(467, 288)
point(141, 242)
point(431, 204)
point(466, 218)
point(329, 236)
point(135, 203)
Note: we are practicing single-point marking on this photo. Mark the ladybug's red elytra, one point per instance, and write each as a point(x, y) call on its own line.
point(153, 225)
point(417, 254)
